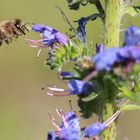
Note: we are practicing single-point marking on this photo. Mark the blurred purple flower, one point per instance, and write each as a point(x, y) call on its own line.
point(132, 36)
point(130, 54)
point(105, 59)
point(109, 57)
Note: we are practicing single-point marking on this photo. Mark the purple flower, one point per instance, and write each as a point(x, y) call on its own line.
point(52, 136)
point(64, 74)
point(74, 87)
point(105, 59)
point(132, 36)
point(130, 54)
point(80, 87)
point(49, 37)
point(40, 28)
point(71, 120)
point(109, 57)
point(69, 134)
point(70, 127)
point(61, 38)
point(94, 129)
point(81, 30)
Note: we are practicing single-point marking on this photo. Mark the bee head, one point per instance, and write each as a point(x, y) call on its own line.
point(18, 23)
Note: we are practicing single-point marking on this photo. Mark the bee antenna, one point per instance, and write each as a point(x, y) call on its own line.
point(66, 19)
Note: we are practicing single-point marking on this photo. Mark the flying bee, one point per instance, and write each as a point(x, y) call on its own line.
point(10, 29)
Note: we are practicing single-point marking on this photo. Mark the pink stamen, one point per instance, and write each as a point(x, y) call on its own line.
point(50, 94)
point(53, 121)
point(62, 115)
point(56, 89)
point(58, 112)
point(34, 41)
point(56, 94)
point(52, 91)
point(33, 46)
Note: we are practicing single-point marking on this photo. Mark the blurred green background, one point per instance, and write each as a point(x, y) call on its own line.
point(23, 105)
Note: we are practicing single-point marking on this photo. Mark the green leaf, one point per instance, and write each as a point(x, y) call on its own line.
point(130, 107)
point(129, 94)
point(90, 97)
point(75, 4)
point(133, 11)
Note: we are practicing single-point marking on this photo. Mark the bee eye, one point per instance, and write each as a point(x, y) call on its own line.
point(17, 25)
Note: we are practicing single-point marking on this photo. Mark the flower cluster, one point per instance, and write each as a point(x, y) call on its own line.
point(70, 129)
point(124, 56)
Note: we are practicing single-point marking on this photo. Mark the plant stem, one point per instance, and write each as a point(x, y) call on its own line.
point(113, 11)
point(108, 111)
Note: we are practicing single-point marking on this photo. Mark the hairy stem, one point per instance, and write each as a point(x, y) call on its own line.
point(107, 112)
point(113, 14)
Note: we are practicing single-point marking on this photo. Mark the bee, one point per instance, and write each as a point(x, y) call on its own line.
point(10, 29)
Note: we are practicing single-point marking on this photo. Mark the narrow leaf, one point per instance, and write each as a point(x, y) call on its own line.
point(133, 11)
point(129, 94)
point(130, 107)
point(90, 97)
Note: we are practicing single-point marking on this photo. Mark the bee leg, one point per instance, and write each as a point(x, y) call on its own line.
point(6, 41)
point(0, 42)
point(15, 34)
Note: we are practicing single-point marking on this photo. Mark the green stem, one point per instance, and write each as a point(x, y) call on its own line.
point(108, 111)
point(113, 13)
